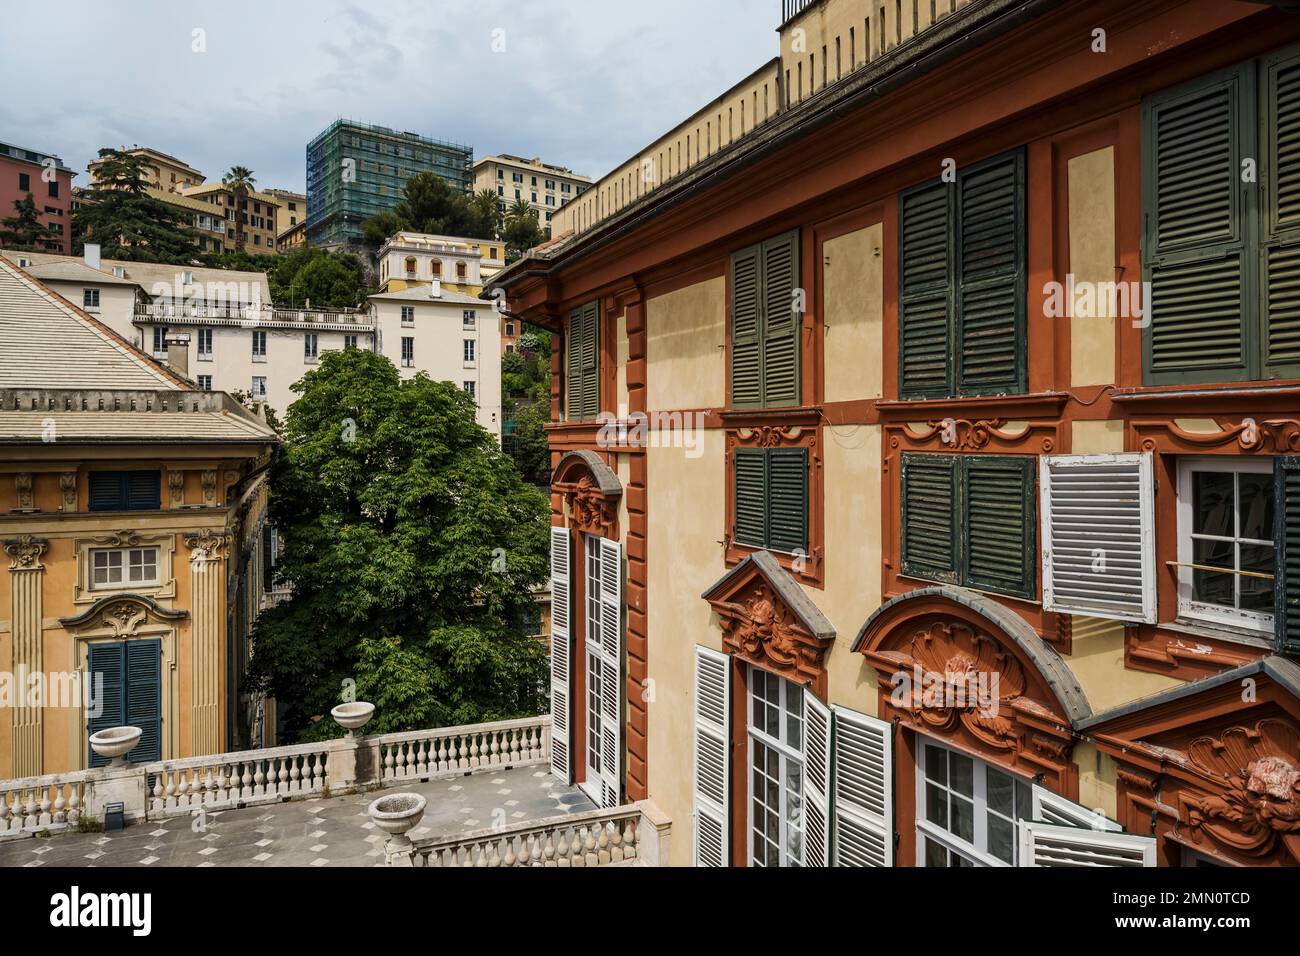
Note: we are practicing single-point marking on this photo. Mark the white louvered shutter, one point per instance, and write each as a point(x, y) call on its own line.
point(712, 758)
point(561, 607)
point(817, 777)
point(611, 685)
point(1054, 809)
point(862, 789)
point(1042, 844)
point(1098, 535)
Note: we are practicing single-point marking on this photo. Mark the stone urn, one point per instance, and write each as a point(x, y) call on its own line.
point(353, 716)
point(115, 743)
point(397, 814)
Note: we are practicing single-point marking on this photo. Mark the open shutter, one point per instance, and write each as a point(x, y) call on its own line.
point(782, 325)
point(591, 360)
point(1280, 260)
point(1099, 536)
point(990, 306)
point(817, 765)
point(1195, 229)
point(925, 292)
point(862, 787)
point(144, 698)
point(611, 687)
point(1001, 525)
point(573, 366)
point(1042, 844)
point(1054, 809)
point(930, 517)
point(750, 496)
point(561, 732)
point(787, 500)
point(1286, 534)
point(746, 317)
point(712, 758)
point(106, 672)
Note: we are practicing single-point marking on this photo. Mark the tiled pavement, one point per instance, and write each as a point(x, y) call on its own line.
point(332, 832)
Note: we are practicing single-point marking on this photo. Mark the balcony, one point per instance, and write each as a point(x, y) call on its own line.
point(249, 316)
point(489, 800)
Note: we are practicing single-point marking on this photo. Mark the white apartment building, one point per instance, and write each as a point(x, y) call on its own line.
point(543, 186)
point(448, 335)
point(410, 259)
point(219, 328)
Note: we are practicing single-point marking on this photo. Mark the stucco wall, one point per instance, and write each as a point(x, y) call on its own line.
point(1092, 259)
point(852, 297)
point(685, 362)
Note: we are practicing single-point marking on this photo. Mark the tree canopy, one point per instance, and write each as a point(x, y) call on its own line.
point(522, 230)
point(24, 231)
point(119, 214)
point(431, 204)
point(411, 546)
point(331, 280)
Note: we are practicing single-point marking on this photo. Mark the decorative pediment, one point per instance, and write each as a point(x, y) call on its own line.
point(956, 665)
point(591, 492)
point(1226, 754)
point(768, 620)
point(123, 614)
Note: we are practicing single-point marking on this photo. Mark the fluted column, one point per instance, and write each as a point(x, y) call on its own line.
point(207, 614)
point(26, 573)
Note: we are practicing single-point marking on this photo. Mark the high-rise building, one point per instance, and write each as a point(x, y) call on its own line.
point(543, 186)
point(44, 177)
point(355, 170)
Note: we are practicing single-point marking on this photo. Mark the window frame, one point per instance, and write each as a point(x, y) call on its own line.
point(767, 454)
point(976, 852)
point(123, 567)
point(1256, 623)
point(788, 754)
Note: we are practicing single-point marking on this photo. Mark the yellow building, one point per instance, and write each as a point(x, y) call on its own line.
point(411, 259)
point(133, 518)
point(166, 173)
point(207, 222)
point(262, 215)
point(292, 220)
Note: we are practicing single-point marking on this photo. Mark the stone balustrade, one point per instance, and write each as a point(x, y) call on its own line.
point(450, 751)
point(637, 833)
point(238, 779)
point(52, 802)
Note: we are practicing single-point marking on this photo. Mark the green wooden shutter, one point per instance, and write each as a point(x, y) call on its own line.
point(746, 324)
point(925, 368)
point(106, 671)
point(144, 698)
point(591, 360)
point(573, 366)
point(930, 514)
point(1197, 229)
point(782, 325)
point(999, 520)
point(750, 495)
point(990, 294)
point(1286, 535)
point(787, 497)
point(1280, 255)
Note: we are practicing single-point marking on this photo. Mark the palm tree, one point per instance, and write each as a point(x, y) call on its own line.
point(486, 208)
point(240, 180)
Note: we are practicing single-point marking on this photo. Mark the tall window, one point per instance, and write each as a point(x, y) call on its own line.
point(471, 387)
point(259, 387)
point(970, 520)
point(770, 488)
point(160, 340)
point(408, 315)
point(205, 344)
point(962, 283)
point(582, 362)
point(90, 298)
point(205, 383)
point(776, 728)
point(259, 346)
point(468, 352)
point(349, 341)
point(311, 346)
point(469, 319)
point(766, 305)
point(1226, 551)
point(408, 351)
point(968, 812)
point(1222, 251)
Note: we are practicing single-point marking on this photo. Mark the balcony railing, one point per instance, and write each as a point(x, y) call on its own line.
point(451, 751)
point(247, 315)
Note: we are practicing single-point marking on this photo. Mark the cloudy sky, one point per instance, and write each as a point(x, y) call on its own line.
point(581, 83)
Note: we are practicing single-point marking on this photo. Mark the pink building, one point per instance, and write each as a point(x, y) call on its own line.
point(24, 171)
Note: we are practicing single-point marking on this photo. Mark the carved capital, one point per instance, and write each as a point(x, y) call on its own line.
point(68, 485)
point(207, 545)
point(23, 485)
point(176, 485)
point(209, 482)
point(25, 553)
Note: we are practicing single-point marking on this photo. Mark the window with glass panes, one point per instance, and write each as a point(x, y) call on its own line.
point(594, 661)
point(1226, 551)
point(968, 812)
point(776, 728)
point(111, 568)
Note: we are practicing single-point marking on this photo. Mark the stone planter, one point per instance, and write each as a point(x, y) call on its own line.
point(352, 717)
point(115, 743)
point(396, 814)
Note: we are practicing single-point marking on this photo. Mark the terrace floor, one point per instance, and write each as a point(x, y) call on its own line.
point(321, 832)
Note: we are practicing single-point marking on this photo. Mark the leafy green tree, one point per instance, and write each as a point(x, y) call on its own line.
point(429, 204)
point(240, 180)
point(522, 230)
point(485, 207)
point(411, 547)
point(332, 280)
point(531, 447)
point(119, 214)
point(24, 232)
